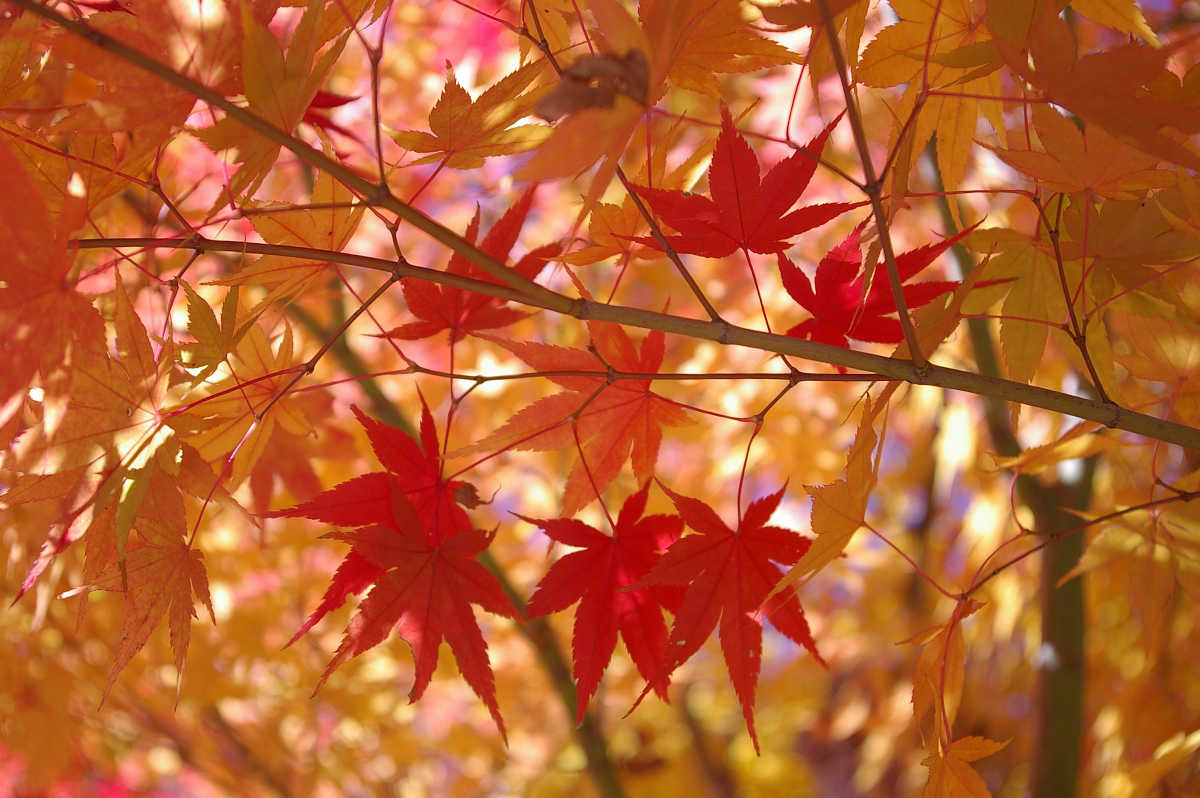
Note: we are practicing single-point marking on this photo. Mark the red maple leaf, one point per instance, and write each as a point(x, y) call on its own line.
point(424, 590)
point(598, 577)
point(838, 306)
point(608, 421)
point(316, 114)
point(744, 212)
point(415, 470)
point(443, 307)
point(729, 573)
point(415, 549)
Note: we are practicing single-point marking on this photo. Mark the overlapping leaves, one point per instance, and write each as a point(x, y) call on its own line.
point(414, 547)
point(730, 574)
point(444, 307)
point(601, 577)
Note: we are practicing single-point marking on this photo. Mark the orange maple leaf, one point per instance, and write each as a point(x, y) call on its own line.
point(608, 421)
point(951, 775)
point(1091, 160)
point(1127, 89)
point(159, 573)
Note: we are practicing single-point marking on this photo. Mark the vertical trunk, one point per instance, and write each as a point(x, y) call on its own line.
point(1061, 673)
point(1058, 734)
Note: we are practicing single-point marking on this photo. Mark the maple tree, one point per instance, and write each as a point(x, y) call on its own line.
point(826, 368)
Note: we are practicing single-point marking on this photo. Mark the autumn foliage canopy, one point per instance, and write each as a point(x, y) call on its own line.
point(781, 398)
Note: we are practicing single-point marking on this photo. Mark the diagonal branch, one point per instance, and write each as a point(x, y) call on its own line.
point(720, 332)
point(375, 194)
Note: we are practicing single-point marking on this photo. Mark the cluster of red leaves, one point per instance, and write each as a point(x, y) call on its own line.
point(414, 547)
point(753, 213)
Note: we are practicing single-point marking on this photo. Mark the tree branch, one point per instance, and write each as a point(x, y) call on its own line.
point(375, 194)
point(721, 332)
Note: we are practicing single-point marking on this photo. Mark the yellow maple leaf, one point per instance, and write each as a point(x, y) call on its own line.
point(698, 39)
point(943, 48)
point(839, 507)
point(236, 415)
point(938, 678)
point(328, 225)
point(1122, 15)
point(1033, 306)
point(464, 132)
point(160, 574)
point(278, 86)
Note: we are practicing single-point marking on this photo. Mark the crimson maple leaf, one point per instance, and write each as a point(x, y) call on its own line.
point(838, 306)
point(443, 307)
point(598, 577)
point(608, 421)
point(423, 589)
point(744, 212)
point(415, 549)
point(415, 470)
point(729, 573)
point(317, 113)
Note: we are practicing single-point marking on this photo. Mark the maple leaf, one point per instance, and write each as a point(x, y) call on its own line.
point(600, 577)
point(612, 229)
point(841, 306)
point(1127, 89)
point(1091, 160)
point(464, 132)
point(117, 408)
point(279, 86)
point(729, 574)
point(222, 420)
point(416, 547)
point(709, 37)
point(423, 585)
point(158, 572)
point(413, 470)
point(945, 47)
point(214, 339)
point(744, 211)
point(839, 507)
point(951, 775)
point(609, 422)
point(41, 316)
point(443, 307)
point(329, 225)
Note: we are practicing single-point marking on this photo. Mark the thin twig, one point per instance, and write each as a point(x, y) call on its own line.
point(874, 190)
